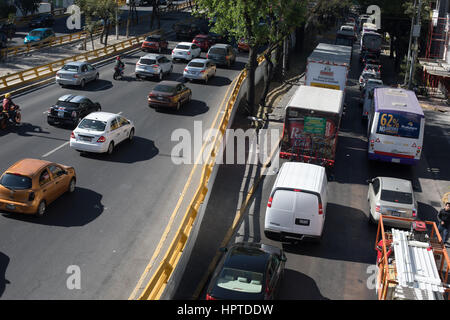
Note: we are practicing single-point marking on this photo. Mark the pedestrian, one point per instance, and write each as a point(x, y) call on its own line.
point(444, 222)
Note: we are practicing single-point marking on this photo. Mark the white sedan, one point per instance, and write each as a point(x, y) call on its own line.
point(101, 132)
point(186, 51)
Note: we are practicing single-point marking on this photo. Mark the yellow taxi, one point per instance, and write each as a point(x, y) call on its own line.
point(30, 185)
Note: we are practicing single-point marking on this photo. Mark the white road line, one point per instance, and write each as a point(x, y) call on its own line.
point(56, 149)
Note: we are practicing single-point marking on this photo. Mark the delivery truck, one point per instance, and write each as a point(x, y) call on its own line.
point(311, 125)
point(328, 66)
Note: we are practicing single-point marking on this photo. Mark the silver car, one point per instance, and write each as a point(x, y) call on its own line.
point(391, 197)
point(200, 69)
point(77, 74)
point(153, 65)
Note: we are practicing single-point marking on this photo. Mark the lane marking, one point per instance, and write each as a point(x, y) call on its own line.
point(56, 149)
point(180, 199)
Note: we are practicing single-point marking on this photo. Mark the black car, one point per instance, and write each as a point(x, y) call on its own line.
point(248, 271)
point(70, 109)
point(42, 20)
point(9, 29)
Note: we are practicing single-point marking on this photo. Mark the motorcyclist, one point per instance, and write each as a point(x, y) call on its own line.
point(9, 107)
point(119, 64)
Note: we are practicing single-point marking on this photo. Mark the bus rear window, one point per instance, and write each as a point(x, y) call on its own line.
point(399, 124)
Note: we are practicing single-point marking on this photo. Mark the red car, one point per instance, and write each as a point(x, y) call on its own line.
point(203, 41)
point(155, 42)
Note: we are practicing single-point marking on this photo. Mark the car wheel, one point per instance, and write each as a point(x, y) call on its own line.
point(41, 209)
point(160, 76)
point(178, 105)
point(159, 50)
point(206, 80)
point(131, 135)
point(82, 84)
point(71, 186)
point(228, 63)
point(110, 148)
point(97, 76)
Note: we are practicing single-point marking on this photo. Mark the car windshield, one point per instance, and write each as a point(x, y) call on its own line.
point(152, 39)
point(95, 125)
point(396, 196)
point(66, 104)
point(164, 88)
point(147, 61)
point(69, 67)
point(35, 33)
point(182, 46)
point(240, 280)
point(200, 39)
point(15, 181)
point(196, 64)
point(217, 51)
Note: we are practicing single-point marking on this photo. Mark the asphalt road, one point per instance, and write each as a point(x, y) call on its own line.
point(339, 268)
point(110, 226)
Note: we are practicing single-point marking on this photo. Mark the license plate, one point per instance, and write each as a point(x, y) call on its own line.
point(302, 222)
point(10, 207)
point(396, 160)
point(86, 139)
point(160, 98)
point(395, 213)
point(61, 114)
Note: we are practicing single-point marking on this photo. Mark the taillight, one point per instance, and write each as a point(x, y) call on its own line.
point(72, 135)
point(74, 114)
point(101, 139)
point(206, 56)
point(31, 196)
point(209, 297)
point(185, 70)
point(418, 150)
point(75, 76)
point(378, 209)
point(320, 209)
point(414, 213)
point(189, 53)
point(203, 71)
point(269, 203)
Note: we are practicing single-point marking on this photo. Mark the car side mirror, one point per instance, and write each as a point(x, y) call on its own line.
point(223, 249)
point(369, 181)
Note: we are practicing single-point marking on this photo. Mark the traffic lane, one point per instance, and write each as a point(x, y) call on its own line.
point(94, 179)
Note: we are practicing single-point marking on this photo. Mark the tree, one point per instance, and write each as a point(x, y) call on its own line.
point(155, 14)
point(27, 6)
point(6, 9)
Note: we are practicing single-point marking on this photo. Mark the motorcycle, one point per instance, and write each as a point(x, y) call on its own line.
point(118, 72)
point(5, 119)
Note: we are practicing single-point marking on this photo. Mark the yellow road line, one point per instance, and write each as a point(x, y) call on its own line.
point(172, 217)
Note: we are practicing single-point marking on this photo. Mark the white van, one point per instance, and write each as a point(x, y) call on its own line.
point(297, 202)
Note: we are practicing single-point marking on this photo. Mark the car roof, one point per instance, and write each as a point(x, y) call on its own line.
point(76, 63)
point(185, 43)
point(244, 256)
point(169, 83)
point(151, 56)
point(201, 60)
point(300, 175)
point(101, 116)
point(71, 98)
point(395, 184)
point(27, 167)
point(202, 36)
point(155, 35)
point(220, 45)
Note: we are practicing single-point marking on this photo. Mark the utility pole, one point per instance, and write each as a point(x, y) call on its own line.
point(408, 60)
point(415, 48)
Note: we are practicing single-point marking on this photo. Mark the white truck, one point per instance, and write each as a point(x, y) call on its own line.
point(328, 66)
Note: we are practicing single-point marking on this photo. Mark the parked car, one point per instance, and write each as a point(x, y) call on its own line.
point(365, 75)
point(70, 109)
point(248, 271)
point(203, 41)
point(153, 65)
point(186, 51)
point(156, 42)
point(76, 74)
point(37, 35)
point(101, 132)
point(9, 29)
point(243, 45)
point(222, 54)
point(30, 185)
point(171, 94)
point(200, 69)
point(41, 21)
point(391, 197)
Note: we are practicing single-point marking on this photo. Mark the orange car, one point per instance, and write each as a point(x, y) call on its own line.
point(170, 94)
point(29, 185)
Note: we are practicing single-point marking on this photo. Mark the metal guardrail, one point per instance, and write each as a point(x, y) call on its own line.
point(44, 71)
point(68, 38)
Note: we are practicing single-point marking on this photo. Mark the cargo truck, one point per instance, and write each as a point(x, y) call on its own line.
point(311, 125)
point(328, 66)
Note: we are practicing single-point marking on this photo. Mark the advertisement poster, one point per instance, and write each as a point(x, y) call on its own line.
point(326, 76)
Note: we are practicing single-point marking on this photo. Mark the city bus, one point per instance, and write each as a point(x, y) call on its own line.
point(396, 125)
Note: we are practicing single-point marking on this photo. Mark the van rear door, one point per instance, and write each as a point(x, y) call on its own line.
point(306, 219)
point(279, 215)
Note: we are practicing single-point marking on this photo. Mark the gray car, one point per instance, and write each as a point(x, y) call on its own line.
point(77, 74)
point(391, 197)
point(222, 54)
point(200, 69)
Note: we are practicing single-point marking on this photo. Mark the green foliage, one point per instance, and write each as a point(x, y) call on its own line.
point(6, 9)
point(27, 6)
point(101, 9)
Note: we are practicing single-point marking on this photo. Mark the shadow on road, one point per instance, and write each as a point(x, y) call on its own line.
point(191, 109)
point(4, 261)
point(290, 289)
point(69, 210)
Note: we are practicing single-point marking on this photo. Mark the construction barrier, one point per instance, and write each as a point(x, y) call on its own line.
point(14, 80)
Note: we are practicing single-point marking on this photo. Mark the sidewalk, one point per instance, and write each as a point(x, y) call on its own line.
point(46, 55)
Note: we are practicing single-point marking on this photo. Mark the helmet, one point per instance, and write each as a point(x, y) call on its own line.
point(8, 95)
point(118, 58)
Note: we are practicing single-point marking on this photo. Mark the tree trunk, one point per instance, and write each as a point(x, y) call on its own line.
point(128, 22)
point(252, 64)
point(106, 35)
point(92, 41)
point(268, 73)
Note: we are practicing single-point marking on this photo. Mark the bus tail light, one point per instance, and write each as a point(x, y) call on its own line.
point(418, 150)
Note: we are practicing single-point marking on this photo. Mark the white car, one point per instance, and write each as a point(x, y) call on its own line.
point(153, 65)
point(186, 51)
point(391, 197)
point(101, 132)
